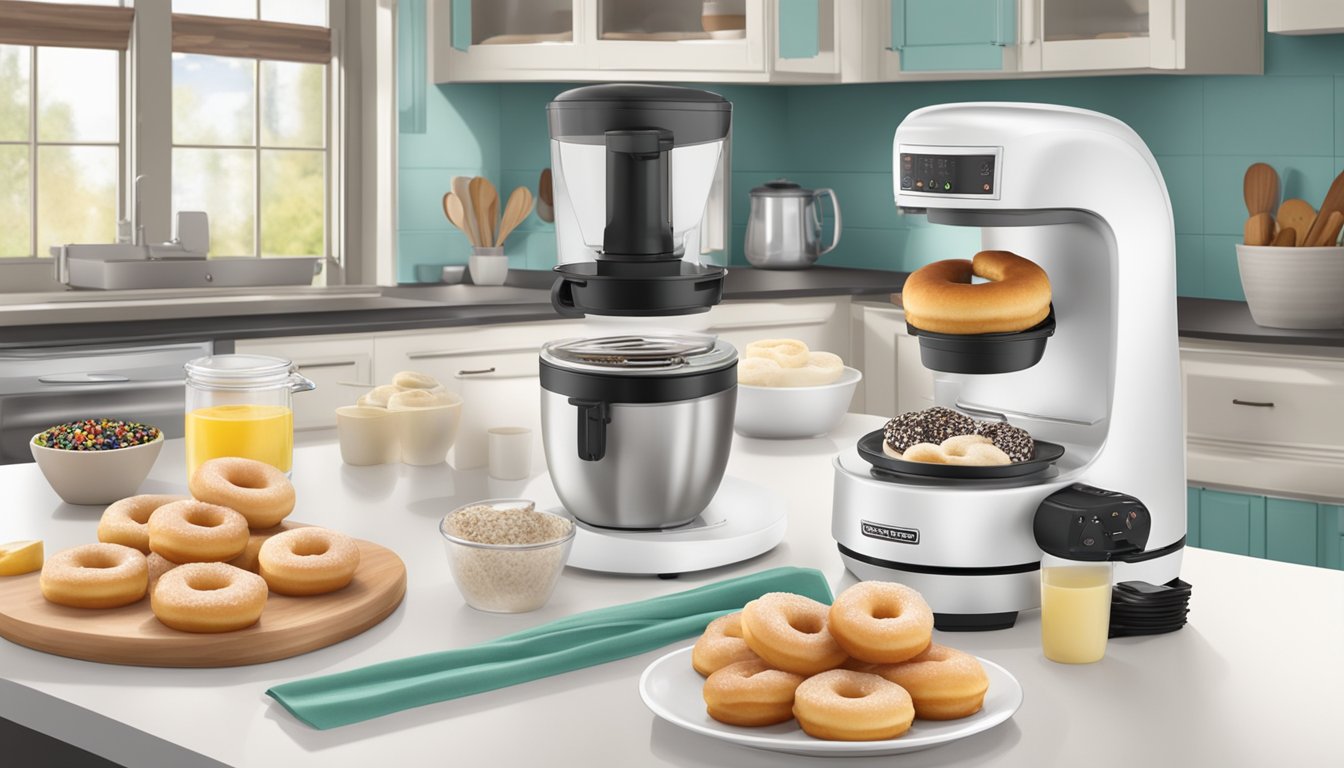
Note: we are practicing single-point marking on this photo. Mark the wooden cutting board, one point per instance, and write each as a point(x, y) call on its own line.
point(288, 627)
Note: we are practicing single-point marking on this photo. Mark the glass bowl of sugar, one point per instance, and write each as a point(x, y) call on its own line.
point(505, 554)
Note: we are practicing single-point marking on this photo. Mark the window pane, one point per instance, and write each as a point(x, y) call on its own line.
point(233, 9)
point(14, 60)
point(14, 210)
point(295, 11)
point(76, 196)
point(77, 95)
point(292, 104)
point(219, 182)
point(213, 99)
point(293, 193)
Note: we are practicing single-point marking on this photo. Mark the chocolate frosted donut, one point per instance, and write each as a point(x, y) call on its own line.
point(931, 426)
point(1014, 441)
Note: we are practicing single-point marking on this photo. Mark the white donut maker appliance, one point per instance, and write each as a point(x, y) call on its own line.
point(1080, 194)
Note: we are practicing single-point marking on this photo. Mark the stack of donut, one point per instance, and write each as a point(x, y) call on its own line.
point(208, 561)
point(861, 669)
point(941, 297)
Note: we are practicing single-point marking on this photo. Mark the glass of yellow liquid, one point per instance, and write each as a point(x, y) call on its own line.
point(1075, 609)
point(240, 405)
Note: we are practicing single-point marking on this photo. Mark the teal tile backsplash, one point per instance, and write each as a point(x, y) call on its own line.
point(1203, 131)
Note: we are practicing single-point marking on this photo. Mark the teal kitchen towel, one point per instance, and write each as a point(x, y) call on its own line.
point(574, 642)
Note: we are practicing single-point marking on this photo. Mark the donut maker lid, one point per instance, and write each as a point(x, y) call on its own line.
point(884, 466)
point(981, 353)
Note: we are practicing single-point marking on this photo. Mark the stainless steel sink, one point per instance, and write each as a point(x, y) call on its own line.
point(129, 267)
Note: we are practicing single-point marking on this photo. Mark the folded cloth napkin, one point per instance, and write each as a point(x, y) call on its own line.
point(574, 642)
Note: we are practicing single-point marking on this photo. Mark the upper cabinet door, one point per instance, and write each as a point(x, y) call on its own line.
point(508, 39)
point(669, 36)
point(807, 37)
point(1079, 35)
point(954, 35)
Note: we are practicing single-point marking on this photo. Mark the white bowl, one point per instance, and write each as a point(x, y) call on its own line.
point(1293, 287)
point(785, 413)
point(95, 477)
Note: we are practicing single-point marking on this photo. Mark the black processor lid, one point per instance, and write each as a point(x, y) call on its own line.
point(584, 115)
point(636, 289)
point(654, 368)
point(781, 188)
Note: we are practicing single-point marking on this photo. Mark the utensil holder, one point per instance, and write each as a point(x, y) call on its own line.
point(488, 266)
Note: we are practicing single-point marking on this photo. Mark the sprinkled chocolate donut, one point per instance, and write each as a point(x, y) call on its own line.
point(1014, 441)
point(931, 426)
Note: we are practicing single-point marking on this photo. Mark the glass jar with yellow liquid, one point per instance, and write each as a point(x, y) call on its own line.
point(240, 405)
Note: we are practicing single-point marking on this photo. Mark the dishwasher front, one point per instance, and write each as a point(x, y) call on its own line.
point(45, 386)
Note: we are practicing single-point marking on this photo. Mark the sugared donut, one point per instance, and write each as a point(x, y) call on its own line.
point(124, 521)
point(158, 565)
point(95, 576)
point(208, 597)
point(750, 693)
point(843, 705)
point(789, 632)
point(941, 298)
point(247, 559)
point(881, 622)
point(721, 645)
point(788, 353)
point(260, 492)
point(308, 561)
point(944, 683)
point(193, 531)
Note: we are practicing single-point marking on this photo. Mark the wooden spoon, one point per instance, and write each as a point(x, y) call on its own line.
point(515, 211)
point(1330, 233)
point(545, 197)
point(1261, 189)
point(462, 191)
point(1297, 215)
point(452, 208)
point(1259, 229)
point(1334, 201)
point(1286, 238)
point(482, 191)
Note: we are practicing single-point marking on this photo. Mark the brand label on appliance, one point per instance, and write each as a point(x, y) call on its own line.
point(889, 532)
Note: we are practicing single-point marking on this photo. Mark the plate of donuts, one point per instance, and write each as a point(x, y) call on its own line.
point(673, 690)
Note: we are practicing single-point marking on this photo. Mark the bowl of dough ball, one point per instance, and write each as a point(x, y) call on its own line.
point(786, 391)
point(505, 554)
point(96, 461)
point(413, 420)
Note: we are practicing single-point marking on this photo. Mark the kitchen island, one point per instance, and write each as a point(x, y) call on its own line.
point(1254, 679)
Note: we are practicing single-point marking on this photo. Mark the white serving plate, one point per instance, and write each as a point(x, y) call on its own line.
point(673, 691)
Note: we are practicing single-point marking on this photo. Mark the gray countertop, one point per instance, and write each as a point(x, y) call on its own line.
point(146, 317)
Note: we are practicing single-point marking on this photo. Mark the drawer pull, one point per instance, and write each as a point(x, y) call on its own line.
point(1252, 403)
point(332, 364)
point(476, 372)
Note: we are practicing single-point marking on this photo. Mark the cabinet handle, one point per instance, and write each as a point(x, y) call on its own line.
point(465, 352)
point(1252, 403)
point(477, 371)
point(333, 364)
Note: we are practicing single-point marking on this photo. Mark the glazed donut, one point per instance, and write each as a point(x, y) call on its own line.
point(788, 353)
point(945, 683)
point(124, 521)
point(788, 631)
point(95, 576)
point(721, 645)
point(962, 450)
point(193, 531)
point(308, 561)
point(208, 597)
point(881, 622)
point(158, 565)
point(751, 693)
point(259, 491)
point(941, 298)
point(843, 705)
point(415, 380)
point(378, 396)
point(247, 559)
point(821, 369)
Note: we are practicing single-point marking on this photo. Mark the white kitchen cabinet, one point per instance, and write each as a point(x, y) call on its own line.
point(340, 366)
point(822, 324)
point(1306, 17)
point(1265, 418)
point(894, 379)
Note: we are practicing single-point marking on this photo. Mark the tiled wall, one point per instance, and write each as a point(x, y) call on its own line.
point(1204, 131)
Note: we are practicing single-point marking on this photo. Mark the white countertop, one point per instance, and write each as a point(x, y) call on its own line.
point(1254, 679)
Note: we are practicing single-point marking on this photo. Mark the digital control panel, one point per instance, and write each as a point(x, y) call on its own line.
point(949, 174)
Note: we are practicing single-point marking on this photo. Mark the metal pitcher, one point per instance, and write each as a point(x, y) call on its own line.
point(784, 226)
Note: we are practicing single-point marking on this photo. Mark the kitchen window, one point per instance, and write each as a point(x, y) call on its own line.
point(61, 143)
point(251, 85)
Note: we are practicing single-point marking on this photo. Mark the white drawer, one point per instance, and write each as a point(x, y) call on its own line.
point(1264, 399)
point(340, 366)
